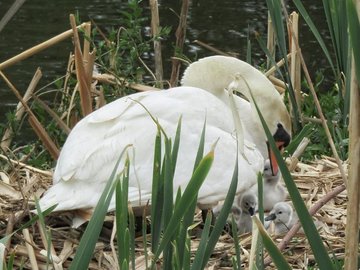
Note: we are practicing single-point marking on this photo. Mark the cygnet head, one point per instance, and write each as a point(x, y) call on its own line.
point(268, 176)
point(281, 213)
point(248, 203)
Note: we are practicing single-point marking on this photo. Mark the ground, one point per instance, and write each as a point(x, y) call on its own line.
point(20, 183)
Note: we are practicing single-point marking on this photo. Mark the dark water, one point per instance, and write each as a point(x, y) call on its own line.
point(223, 24)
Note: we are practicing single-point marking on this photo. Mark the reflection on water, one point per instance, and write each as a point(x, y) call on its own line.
point(224, 26)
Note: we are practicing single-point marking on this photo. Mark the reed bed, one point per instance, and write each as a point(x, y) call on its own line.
point(20, 186)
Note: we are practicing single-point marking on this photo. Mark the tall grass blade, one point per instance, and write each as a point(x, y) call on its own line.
point(168, 200)
point(132, 236)
point(171, 153)
point(121, 215)
point(315, 32)
point(47, 234)
point(259, 244)
point(88, 241)
point(2, 257)
point(199, 256)
point(354, 30)
point(156, 195)
point(317, 246)
point(270, 246)
point(274, 8)
point(189, 215)
point(188, 197)
point(144, 235)
point(237, 259)
point(223, 215)
point(175, 150)
point(306, 131)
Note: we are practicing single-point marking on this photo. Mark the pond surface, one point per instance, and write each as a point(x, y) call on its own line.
point(222, 24)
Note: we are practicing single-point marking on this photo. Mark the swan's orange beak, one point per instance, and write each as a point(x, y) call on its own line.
point(273, 162)
point(282, 139)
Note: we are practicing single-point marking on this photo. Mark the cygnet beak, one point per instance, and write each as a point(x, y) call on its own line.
point(251, 211)
point(270, 217)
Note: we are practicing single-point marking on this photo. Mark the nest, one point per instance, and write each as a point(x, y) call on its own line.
point(22, 184)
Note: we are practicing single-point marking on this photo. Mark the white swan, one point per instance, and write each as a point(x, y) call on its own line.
point(92, 148)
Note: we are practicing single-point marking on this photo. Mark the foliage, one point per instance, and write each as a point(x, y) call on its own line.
point(122, 52)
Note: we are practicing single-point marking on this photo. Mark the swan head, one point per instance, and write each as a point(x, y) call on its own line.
point(281, 213)
point(216, 74)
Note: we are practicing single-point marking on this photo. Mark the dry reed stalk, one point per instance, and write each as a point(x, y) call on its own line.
point(38, 48)
point(295, 66)
point(353, 186)
point(10, 13)
point(30, 249)
point(279, 64)
point(211, 48)
point(60, 123)
point(280, 89)
point(66, 88)
point(270, 41)
point(294, 159)
point(7, 137)
point(9, 231)
point(34, 122)
point(111, 79)
point(82, 78)
point(155, 30)
point(88, 57)
point(33, 169)
point(277, 82)
point(112, 245)
point(254, 247)
point(180, 39)
point(316, 100)
point(312, 120)
point(45, 241)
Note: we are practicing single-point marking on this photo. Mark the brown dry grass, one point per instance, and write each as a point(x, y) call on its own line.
point(21, 183)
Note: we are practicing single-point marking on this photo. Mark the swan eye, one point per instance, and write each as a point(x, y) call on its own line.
point(280, 212)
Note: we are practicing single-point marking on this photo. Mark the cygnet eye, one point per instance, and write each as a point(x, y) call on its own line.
point(280, 212)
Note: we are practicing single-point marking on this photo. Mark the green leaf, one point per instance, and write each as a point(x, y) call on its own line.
point(156, 196)
point(188, 196)
point(270, 246)
point(314, 30)
point(354, 30)
point(224, 213)
point(199, 256)
point(88, 240)
point(259, 244)
point(237, 261)
point(189, 215)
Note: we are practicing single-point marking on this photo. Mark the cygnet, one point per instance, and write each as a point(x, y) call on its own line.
point(248, 206)
point(274, 191)
point(283, 216)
